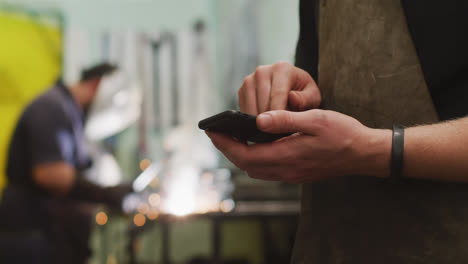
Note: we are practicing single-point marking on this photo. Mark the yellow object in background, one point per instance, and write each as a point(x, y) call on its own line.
point(30, 61)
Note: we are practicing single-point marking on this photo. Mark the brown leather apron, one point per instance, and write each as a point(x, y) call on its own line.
point(369, 69)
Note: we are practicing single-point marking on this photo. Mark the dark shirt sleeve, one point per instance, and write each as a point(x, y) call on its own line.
point(307, 44)
point(50, 135)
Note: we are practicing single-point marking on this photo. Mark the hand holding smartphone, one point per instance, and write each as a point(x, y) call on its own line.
point(238, 125)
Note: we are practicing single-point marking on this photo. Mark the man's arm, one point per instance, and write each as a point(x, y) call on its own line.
point(51, 145)
point(329, 144)
point(55, 177)
point(438, 151)
point(60, 179)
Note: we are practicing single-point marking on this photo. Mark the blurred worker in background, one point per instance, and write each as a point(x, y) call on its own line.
point(378, 63)
point(47, 204)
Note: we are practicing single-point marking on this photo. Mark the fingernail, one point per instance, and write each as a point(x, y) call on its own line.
point(264, 120)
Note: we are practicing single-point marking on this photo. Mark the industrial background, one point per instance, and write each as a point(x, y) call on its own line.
point(179, 62)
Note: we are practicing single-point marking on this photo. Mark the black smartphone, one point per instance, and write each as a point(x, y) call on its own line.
point(238, 125)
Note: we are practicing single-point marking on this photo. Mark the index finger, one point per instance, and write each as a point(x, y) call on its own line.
point(280, 86)
point(247, 96)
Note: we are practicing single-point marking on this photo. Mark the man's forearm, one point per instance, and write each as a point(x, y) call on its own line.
point(438, 151)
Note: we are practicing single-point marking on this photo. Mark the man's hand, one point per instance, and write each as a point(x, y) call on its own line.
point(327, 144)
point(279, 86)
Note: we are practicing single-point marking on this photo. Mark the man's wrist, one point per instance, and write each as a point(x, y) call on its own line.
point(377, 153)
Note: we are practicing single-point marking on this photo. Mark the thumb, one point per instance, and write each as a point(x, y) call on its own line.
point(281, 121)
